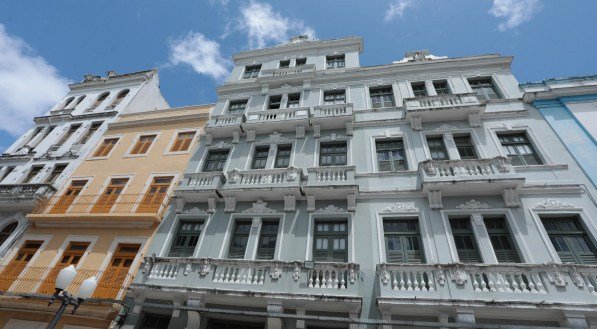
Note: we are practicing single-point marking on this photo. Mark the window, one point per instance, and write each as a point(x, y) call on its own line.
point(570, 240)
point(437, 148)
point(484, 88)
point(7, 231)
point(71, 256)
point(275, 102)
point(183, 141)
point(260, 157)
point(238, 244)
point(70, 132)
point(333, 154)
point(335, 61)
point(293, 100)
point(92, 129)
point(301, 61)
point(419, 89)
point(382, 97)
point(143, 144)
point(252, 71)
point(220, 324)
point(465, 147)
point(237, 106)
point(267, 240)
point(58, 169)
point(284, 63)
point(155, 321)
point(71, 193)
point(519, 149)
point(501, 240)
point(18, 264)
point(105, 148)
point(464, 239)
point(334, 97)
point(79, 100)
point(67, 102)
point(441, 87)
point(331, 241)
point(390, 155)
point(99, 101)
point(104, 203)
point(186, 239)
point(216, 159)
point(403, 242)
point(7, 172)
point(154, 197)
point(283, 156)
point(32, 173)
point(118, 99)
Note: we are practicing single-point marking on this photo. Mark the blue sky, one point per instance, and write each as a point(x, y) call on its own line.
point(46, 44)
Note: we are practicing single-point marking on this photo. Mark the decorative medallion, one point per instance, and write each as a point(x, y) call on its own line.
point(553, 204)
point(259, 207)
point(331, 209)
point(473, 204)
point(400, 207)
point(194, 211)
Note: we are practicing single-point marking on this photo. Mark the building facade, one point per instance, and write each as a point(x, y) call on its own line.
point(569, 105)
point(422, 190)
point(40, 161)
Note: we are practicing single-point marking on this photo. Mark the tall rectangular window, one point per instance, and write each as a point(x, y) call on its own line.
point(437, 148)
point(381, 97)
point(240, 237)
point(155, 321)
point(501, 240)
point(260, 157)
point(331, 241)
point(519, 149)
point(466, 246)
point(143, 144)
point(333, 154)
point(335, 61)
point(570, 240)
point(216, 160)
point(403, 241)
point(419, 89)
point(186, 238)
point(331, 97)
point(293, 100)
point(275, 102)
point(465, 147)
point(484, 88)
point(390, 155)
point(183, 141)
point(7, 172)
point(283, 156)
point(441, 87)
point(105, 148)
point(252, 71)
point(267, 240)
point(70, 132)
point(92, 129)
point(285, 63)
point(236, 107)
point(301, 61)
point(32, 173)
point(58, 169)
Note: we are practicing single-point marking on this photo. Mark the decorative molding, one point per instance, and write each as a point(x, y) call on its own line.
point(446, 126)
point(259, 207)
point(473, 204)
point(553, 204)
point(400, 207)
point(276, 137)
point(331, 209)
point(194, 211)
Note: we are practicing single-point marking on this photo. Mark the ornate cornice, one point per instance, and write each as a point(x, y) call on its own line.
point(400, 207)
point(259, 207)
point(473, 204)
point(553, 204)
point(331, 209)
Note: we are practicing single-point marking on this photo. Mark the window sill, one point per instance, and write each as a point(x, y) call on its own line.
point(541, 167)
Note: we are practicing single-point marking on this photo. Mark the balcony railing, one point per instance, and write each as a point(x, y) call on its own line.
point(279, 177)
point(449, 170)
point(104, 204)
point(279, 115)
point(25, 190)
point(333, 175)
point(202, 181)
point(30, 280)
point(441, 101)
point(17, 157)
point(333, 110)
point(226, 120)
point(288, 70)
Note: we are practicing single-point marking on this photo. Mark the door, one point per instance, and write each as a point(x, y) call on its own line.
point(155, 195)
point(105, 202)
point(61, 206)
point(71, 256)
point(12, 271)
point(116, 273)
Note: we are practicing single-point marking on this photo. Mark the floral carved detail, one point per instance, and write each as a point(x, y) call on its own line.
point(204, 267)
point(329, 210)
point(259, 207)
point(297, 271)
point(446, 127)
point(458, 276)
point(553, 204)
point(400, 207)
point(194, 211)
point(276, 137)
point(473, 204)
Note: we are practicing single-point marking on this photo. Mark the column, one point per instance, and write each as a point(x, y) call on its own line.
point(430, 88)
point(274, 323)
point(194, 317)
point(451, 147)
point(253, 238)
point(465, 316)
point(482, 237)
point(575, 320)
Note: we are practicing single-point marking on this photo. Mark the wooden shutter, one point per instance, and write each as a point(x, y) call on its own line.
point(152, 201)
point(62, 205)
point(114, 276)
point(71, 256)
point(466, 247)
point(12, 271)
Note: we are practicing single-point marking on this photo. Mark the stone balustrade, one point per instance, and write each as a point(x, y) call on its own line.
point(441, 101)
point(24, 193)
point(279, 115)
point(226, 120)
point(333, 175)
point(453, 169)
point(288, 70)
point(333, 110)
point(202, 180)
point(264, 177)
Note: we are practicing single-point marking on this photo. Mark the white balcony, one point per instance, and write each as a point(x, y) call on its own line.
point(443, 108)
point(334, 116)
point(18, 196)
point(227, 125)
point(280, 120)
point(331, 183)
point(196, 187)
point(287, 71)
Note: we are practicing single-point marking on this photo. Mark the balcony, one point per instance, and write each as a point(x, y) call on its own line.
point(285, 71)
point(261, 279)
point(538, 284)
point(443, 108)
point(264, 184)
point(5, 157)
point(470, 177)
point(334, 116)
point(33, 281)
point(67, 115)
point(331, 183)
point(196, 187)
point(120, 210)
point(280, 120)
point(227, 125)
point(23, 196)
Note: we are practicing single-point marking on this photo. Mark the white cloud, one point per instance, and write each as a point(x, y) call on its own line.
point(397, 9)
point(201, 53)
point(29, 86)
point(516, 12)
point(264, 26)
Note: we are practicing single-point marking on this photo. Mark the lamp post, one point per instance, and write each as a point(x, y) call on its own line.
point(63, 280)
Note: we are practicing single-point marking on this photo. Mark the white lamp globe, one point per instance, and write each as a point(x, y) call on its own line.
point(87, 288)
point(65, 277)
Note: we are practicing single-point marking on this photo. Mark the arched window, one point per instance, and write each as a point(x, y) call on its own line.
point(118, 99)
point(99, 100)
point(67, 102)
point(7, 231)
point(79, 100)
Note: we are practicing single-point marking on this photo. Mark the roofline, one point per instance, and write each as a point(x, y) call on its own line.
point(132, 76)
point(163, 119)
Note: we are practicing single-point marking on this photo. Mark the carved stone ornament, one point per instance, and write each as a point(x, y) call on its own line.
point(458, 276)
point(473, 204)
point(275, 137)
point(440, 277)
point(400, 207)
point(276, 272)
point(331, 209)
point(557, 277)
point(446, 126)
point(187, 269)
point(553, 204)
point(576, 277)
point(292, 174)
point(429, 168)
point(502, 164)
point(204, 267)
point(259, 207)
point(385, 277)
point(194, 211)
point(352, 274)
point(297, 271)
point(234, 175)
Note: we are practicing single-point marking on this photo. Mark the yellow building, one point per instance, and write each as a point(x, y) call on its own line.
point(101, 221)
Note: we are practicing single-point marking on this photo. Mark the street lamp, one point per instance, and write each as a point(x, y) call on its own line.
point(63, 280)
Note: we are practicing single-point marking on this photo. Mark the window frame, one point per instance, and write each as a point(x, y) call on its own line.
point(416, 92)
point(27, 179)
point(252, 73)
point(100, 144)
point(471, 145)
point(404, 151)
point(277, 156)
point(429, 148)
point(335, 101)
point(205, 160)
point(507, 231)
point(418, 233)
point(233, 234)
point(178, 225)
point(279, 103)
point(258, 156)
point(265, 221)
point(329, 236)
point(237, 101)
point(56, 165)
point(339, 216)
point(334, 60)
point(529, 141)
point(136, 140)
point(448, 89)
point(333, 154)
point(494, 87)
point(174, 137)
point(473, 235)
point(383, 104)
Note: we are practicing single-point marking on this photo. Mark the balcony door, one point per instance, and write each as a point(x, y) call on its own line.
point(116, 273)
point(12, 271)
point(155, 195)
point(105, 202)
point(61, 206)
point(71, 256)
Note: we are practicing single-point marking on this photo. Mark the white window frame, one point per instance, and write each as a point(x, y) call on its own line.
point(201, 164)
point(340, 217)
point(173, 228)
point(174, 137)
point(412, 166)
point(328, 139)
point(91, 157)
point(135, 140)
point(514, 128)
point(250, 254)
